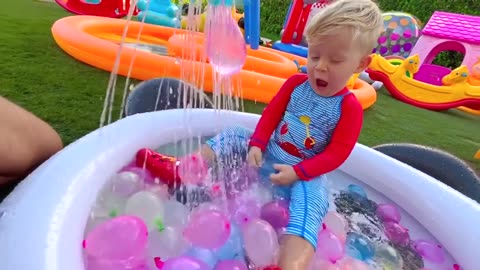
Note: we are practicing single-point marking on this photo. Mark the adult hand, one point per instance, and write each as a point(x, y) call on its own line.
point(286, 175)
point(254, 157)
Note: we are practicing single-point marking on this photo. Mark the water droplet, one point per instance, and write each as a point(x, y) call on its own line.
point(177, 61)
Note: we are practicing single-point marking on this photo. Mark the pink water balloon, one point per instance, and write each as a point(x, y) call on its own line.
point(337, 224)
point(230, 265)
point(318, 263)
point(350, 263)
point(261, 242)
point(346, 263)
point(185, 263)
point(118, 243)
point(208, 206)
point(396, 233)
point(330, 247)
point(276, 213)
point(429, 251)
point(244, 210)
point(226, 46)
point(192, 169)
point(388, 212)
point(208, 229)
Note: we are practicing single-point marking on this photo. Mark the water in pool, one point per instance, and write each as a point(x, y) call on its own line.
point(140, 222)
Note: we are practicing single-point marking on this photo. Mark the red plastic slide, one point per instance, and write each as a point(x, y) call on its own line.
point(104, 8)
point(297, 19)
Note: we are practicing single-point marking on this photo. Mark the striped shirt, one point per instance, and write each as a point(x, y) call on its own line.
point(312, 133)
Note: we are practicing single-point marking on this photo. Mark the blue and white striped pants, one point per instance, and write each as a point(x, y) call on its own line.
point(308, 199)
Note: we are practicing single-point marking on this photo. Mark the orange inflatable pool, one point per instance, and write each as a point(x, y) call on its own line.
point(95, 41)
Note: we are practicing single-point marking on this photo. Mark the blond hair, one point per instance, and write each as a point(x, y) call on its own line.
point(362, 17)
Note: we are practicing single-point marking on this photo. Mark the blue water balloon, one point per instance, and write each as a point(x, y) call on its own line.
point(205, 255)
point(357, 191)
point(359, 247)
point(233, 248)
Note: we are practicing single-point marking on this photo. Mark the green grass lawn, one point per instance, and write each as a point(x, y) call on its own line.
point(39, 76)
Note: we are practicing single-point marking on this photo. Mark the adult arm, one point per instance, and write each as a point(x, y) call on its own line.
point(274, 111)
point(26, 141)
point(341, 144)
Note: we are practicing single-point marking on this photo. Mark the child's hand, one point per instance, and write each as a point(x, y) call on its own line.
point(254, 157)
point(285, 176)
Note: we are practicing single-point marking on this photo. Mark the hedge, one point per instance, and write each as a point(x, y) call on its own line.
point(273, 14)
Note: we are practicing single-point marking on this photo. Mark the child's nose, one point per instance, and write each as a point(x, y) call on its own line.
point(321, 66)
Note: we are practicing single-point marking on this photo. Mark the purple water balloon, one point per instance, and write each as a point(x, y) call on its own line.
point(430, 251)
point(396, 233)
point(230, 265)
point(388, 212)
point(276, 213)
point(185, 262)
point(244, 210)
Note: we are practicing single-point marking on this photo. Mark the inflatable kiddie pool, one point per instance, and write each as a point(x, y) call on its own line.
point(42, 222)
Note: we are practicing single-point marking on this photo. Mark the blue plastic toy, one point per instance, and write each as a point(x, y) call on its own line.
point(252, 22)
point(159, 12)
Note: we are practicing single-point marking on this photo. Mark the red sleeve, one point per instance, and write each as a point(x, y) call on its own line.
point(274, 111)
point(341, 145)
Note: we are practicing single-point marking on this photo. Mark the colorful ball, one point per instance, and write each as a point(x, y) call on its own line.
point(402, 31)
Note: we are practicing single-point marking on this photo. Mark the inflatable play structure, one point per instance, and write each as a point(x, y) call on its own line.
point(365, 179)
point(95, 41)
point(164, 13)
point(104, 8)
point(406, 83)
point(449, 31)
point(402, 31)
point(400, 36)
point(432, 74)
point(431, 86)
point(298, 16)
point(160, 12)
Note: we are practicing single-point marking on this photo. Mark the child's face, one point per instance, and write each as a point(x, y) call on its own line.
point(332, 59)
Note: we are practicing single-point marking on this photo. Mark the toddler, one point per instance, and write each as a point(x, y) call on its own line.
point(311, 126)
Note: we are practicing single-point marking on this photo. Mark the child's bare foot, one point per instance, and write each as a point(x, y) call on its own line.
point(207, 154)
point(295, 253)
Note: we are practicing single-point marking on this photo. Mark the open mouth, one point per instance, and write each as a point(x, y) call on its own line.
point(321, 83)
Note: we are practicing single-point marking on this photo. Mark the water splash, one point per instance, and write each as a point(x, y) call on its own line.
point(225, 55)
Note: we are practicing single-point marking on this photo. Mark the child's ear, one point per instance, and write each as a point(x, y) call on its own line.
point(364, 63)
